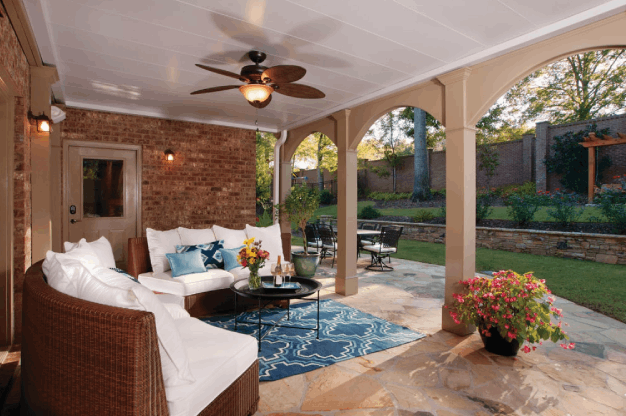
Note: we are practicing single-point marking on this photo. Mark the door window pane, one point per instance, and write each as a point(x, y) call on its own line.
point(103, 188)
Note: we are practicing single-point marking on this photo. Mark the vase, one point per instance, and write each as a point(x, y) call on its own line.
point(498, 345)
point(305, 264)
point(254, 280)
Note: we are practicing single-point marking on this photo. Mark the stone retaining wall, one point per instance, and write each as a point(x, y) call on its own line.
point(603, 248)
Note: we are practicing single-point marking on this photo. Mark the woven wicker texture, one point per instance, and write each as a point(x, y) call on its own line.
point(83, 358)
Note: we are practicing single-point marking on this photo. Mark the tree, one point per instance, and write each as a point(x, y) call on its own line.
point(264, 158)
point(580, 87)
point(421, 189)
point(488, 160)
point(390, 136)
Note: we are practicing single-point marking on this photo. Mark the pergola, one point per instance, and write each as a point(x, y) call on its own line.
point(592, 142)
point(458, 99)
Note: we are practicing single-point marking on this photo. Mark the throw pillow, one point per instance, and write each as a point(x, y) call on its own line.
point(102, 247)
point(61, 275)
point(189, 236)
point(176, 311)
point(230, 257)
point(159, 244)
point(211, 256)
point(186, 263)
point(270, 238)
point(232, 238)
point(123, 273)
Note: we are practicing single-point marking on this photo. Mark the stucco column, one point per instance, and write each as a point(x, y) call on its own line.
point(41, 80)
point(284, 190)
point(460, 193)
point(346, 281)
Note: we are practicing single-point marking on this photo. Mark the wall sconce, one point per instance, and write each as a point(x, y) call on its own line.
point(43, 122)
point(169, 155)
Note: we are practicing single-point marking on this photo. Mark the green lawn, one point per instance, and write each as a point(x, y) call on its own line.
point(598, 286)
point(499, 213)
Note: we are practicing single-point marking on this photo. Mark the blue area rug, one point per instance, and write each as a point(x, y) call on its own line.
point(345, 333)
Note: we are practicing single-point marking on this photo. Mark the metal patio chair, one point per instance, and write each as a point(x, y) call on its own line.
point(387, 245)
point(329, 242)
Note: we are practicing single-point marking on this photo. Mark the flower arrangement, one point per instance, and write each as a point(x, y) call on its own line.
point(252, 257)
point(517, 306)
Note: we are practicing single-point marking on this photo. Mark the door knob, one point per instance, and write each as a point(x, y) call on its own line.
point(73, 221)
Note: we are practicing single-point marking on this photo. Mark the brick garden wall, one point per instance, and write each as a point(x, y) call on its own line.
point(14, 61)
point(601, 248)
point(211, 181)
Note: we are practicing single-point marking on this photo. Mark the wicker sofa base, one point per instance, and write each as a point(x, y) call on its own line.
point(240, 398)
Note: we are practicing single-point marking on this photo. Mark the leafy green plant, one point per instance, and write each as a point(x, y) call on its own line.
point(388, 196)
point(442, 211)
point(422, 215)
point(522, 209)
point(483, 206)
point(299, 206)
point(369, 213)
point(563, 207)
point(517, 306)
point(527, 188)
point(326, 197)
point(613, 206)
point(488, 161)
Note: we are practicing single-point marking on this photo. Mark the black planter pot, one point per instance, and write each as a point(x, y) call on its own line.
point(498, 345)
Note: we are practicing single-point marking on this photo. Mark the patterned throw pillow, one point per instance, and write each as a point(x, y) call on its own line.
point(210, 253)
point(123, 272)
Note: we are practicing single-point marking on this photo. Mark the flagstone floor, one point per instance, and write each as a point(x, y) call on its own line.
point(447, 375)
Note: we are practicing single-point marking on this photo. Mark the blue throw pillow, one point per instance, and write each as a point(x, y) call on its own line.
point(186, 263)
point(123, 272)
point(211, 256)
point(230, 257)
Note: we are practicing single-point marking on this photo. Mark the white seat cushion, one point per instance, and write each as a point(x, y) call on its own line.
point(169, 298)
point(367, 243)
point(377, 249)
point(232, 238)
point(314, 243)
point(192, 237)
point(217, 358)
point(188, 284)
point(329, 247)
point(270, 238)
point(159, 244)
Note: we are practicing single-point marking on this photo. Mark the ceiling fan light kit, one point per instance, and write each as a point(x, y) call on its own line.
point(261, 81)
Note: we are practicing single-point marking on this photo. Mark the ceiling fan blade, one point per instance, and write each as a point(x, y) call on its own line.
point(299, 91)
point(222, 72)
point(283, 73)
point(261, 105)
point(215, 89)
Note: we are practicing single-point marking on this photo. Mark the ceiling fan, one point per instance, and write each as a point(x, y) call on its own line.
point(261, 81)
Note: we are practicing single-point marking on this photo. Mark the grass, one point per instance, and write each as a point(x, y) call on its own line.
point(597, 286)
point(499, 213)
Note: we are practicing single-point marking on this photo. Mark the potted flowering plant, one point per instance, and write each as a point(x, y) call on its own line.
point(510, 310)
point(252, 257)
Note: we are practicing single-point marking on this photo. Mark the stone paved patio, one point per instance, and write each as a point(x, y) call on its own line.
point(447, 375)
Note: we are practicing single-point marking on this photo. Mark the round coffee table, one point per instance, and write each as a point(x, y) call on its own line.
point(308, 287)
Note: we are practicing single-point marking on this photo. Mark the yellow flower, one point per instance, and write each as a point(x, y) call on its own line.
point(249, 241)
point(251, 261)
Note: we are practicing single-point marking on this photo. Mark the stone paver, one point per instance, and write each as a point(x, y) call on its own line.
point(446, 375)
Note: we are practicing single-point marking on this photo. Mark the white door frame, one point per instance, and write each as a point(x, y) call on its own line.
point(7, 130)
point(65, 219)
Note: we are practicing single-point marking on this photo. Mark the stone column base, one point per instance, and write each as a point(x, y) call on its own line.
point(347, 286)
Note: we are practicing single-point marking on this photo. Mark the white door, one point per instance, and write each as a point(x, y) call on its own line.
point(102, 196)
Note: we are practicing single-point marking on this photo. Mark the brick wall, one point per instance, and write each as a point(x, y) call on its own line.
point(211, 181)
point(601, 248)
point(14, 61)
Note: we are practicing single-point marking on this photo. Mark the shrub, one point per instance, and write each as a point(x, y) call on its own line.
point(440, 192)
point(326, 197)
point(388, 196)
point(369, 213)
point(522, 209)
point(423, 215)
point(613, 206)
point(483, 206)
point(442, 211)
point(563, 207)
point(526, 189)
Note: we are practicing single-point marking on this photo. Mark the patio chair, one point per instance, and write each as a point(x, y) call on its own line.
point(329, 242)
point(373, 239)
point(312, 237)
point(387, 245)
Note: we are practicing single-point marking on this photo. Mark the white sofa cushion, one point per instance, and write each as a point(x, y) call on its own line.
point(270, 238)
point(159, 244)
point(60, 274)
point(192, 237)
point(232, 238)
point(102, 248)
point(190, 284)
point(217, 358)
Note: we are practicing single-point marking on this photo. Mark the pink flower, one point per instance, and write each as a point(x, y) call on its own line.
point(526, 349)
point(511, 335)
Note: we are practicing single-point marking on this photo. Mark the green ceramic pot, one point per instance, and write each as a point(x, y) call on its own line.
point(305, 264)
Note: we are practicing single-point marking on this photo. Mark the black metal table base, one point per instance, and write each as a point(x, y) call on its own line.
point(275, 324)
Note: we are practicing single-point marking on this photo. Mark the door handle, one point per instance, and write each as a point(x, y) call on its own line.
point(73, 221)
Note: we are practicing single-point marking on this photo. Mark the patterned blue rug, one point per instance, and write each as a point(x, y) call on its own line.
point(345, 333)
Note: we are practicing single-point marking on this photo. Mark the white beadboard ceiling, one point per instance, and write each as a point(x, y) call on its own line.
point(139, 56)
